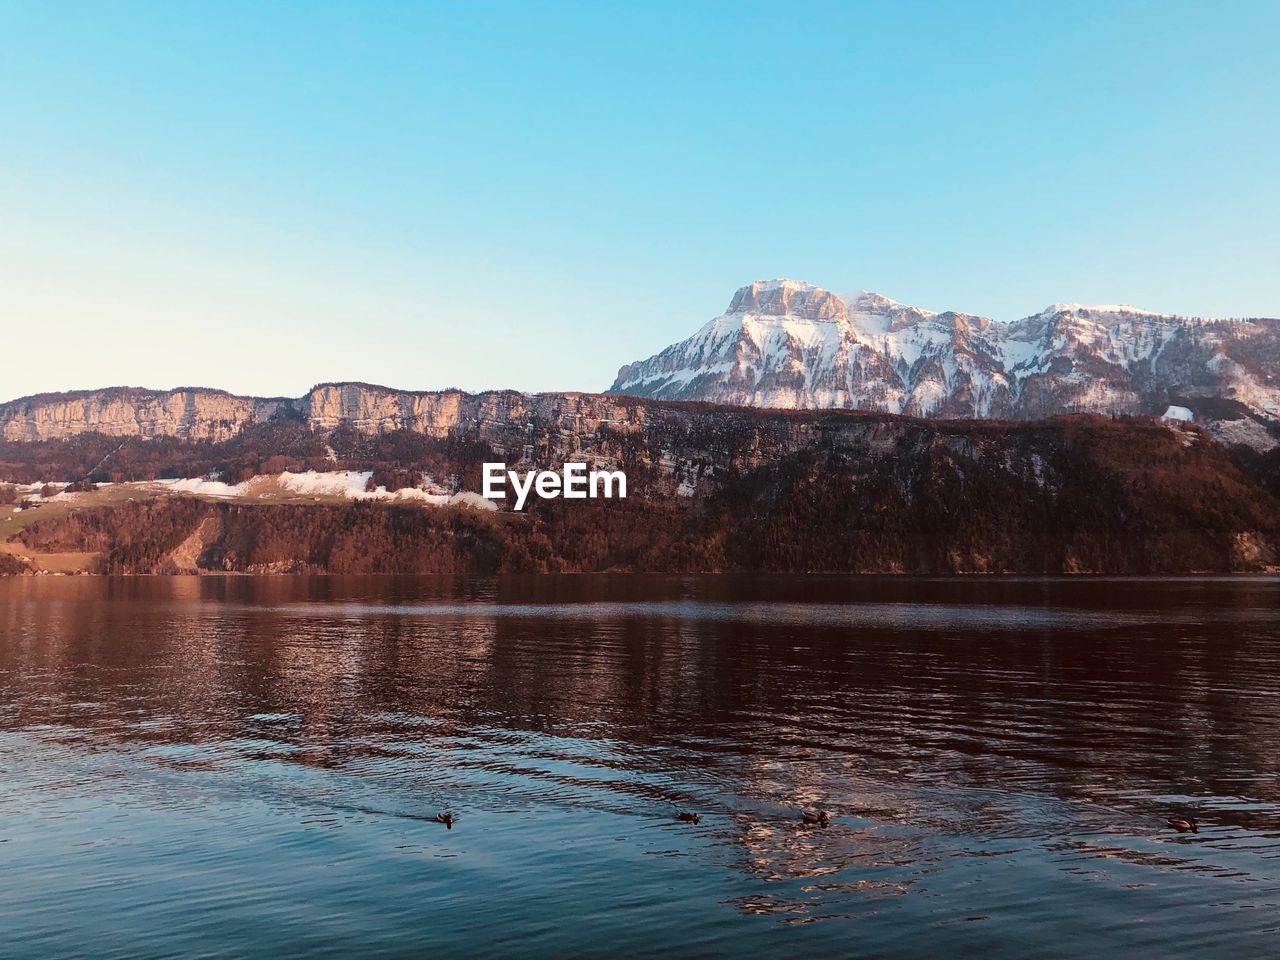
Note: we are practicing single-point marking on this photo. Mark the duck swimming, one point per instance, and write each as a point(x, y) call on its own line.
point(446, 819)
point(684, 816)
point(817, 818)
point(1184, 824)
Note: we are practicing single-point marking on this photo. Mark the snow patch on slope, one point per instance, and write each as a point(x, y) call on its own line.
point(347, 484)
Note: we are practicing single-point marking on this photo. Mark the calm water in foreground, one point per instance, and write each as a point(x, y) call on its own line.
point(249, 767)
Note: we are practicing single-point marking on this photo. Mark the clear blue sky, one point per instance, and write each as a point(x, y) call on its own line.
point(263, 196)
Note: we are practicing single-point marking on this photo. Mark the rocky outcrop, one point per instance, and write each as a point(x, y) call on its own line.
point(185, 557)
point(217, 416)
point(190, 413)
point(788, 300)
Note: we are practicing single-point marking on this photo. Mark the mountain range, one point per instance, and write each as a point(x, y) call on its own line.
point(844, 433)
point(785, 344)
point(791, 345)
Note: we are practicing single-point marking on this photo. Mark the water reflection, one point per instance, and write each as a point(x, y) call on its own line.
point(998, 756)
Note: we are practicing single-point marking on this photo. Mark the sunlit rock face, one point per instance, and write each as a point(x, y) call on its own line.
point(196, 414)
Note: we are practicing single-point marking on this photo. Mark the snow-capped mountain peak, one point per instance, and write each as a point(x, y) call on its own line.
point(787, 343)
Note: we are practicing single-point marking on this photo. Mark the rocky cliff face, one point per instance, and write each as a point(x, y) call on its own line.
point(198, 414)
point(524, 428)
point(791, 345)
point(547, 427)
point(195, 413)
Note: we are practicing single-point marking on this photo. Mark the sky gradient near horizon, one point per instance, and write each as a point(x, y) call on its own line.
point(259, 197)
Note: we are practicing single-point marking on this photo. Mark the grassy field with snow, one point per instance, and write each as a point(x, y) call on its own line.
point(333, 488)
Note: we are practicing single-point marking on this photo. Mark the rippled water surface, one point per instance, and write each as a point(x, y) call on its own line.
point(251, 767)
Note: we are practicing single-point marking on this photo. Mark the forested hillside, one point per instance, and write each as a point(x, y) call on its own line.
point(710, 489)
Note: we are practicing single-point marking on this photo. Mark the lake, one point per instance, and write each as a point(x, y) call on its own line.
point(251, 767)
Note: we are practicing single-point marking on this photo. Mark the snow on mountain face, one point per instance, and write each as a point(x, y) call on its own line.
point(789, 344)
point(784, 343)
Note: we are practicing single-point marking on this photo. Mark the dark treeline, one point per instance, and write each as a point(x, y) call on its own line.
point(1114, 500)
point(360, 538)
point(10, 565)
